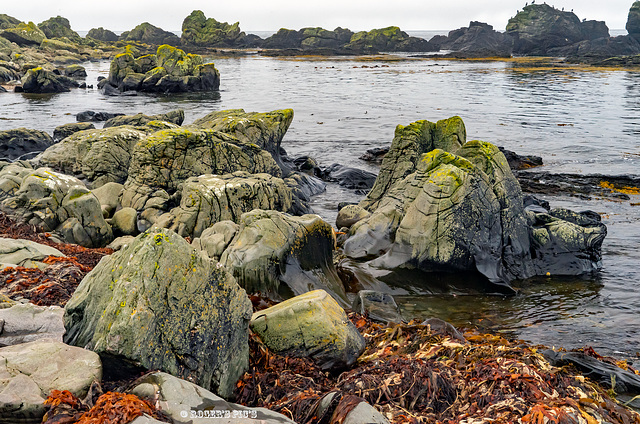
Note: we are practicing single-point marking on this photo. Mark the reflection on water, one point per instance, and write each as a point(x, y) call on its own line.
point(578, 120)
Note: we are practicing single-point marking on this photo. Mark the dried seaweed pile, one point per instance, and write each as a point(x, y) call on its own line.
point(412, 374)
point(55, 284)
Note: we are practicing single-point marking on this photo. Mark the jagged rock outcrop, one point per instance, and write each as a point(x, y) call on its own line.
point(7, 21)
point(24, 34)
point(199, 31)
point(58, 27)
point(39, 80)
point(160, 304)
point(308, 39)
point(389, 39)
point(478, 40)
point(63, 131)
point(102, 34)
point(150, 34)
point(633, 21)
point(19, 142)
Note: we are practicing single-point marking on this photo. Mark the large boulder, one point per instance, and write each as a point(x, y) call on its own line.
point(208, 199)
point(30, 371)
point(199, 31)
point(160, 304)
point(24, 34)
point(266, 130)
point(58, 27)
point(99, 155)
point(308, 39)
point(633, 20)
point(17, 143)
point(26, 322)
point(54, 202)
point(537, 28)
point(102, 34)
point(389, 39)
point(410, 142)
point(139, 119)
point(39, 80)
point(478, 40)
point(150, 34)
point(282, 256)
point(25, 253)
point(310, 325)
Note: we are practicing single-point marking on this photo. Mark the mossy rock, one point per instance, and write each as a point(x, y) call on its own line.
point(57, 27)
point(387, 39)
point(197, 30)
point(150, 34)
point(102, 34)
point(56, 45)
point(177, 62)
point(39, 80)
point(24, 34)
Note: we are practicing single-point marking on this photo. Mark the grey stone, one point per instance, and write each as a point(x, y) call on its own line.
point(25, 253)
point(109, 196)
point(125, 221)
point(364, 413)
point(25, 323)
point(378, 306)
point(215, 239)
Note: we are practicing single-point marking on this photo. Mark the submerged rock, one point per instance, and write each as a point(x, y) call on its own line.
point(380, 307)
point(63, 131)
point(310, 325)
point(159, 304)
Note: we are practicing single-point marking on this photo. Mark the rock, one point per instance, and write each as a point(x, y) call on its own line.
point(149, 34)
point(99, 155)
point(125, 221)
point(540, 27)
point(303, 187)
point(53, 201)
point(102, 34)
point(199, 31)
point(389, 39)
point(174, 397)
point(7, 21)
point(478, 40)
point(215, 239)
point(26, 253)
point(265, 130)
point(518, 162)
point(139, 120)
point(75, 71)
point(352, 178)
point(109, 196)
point(24, 323)
point(283, 256)
point(308, 39)
point(409, 143)
point(436, 325)
point(601, 51)
point(380, 307)
point(24, 34)
point(310, 325)
point(39, 80)
point(364, 413)
point(58, 27)
point(121, 242)
point(90, 115)
point(160, 304)
point(208, 199)
point(27, 379)
point(375, 154)
point(350, 214)
point(64, 131)
point(633, 20)
point(16, 143)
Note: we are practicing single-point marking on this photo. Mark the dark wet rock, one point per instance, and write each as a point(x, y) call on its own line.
point(139, 120)
point(150, 34)
point(600, 50)
point(8, 71)
point(92, 116)
point(310, 325)
point(538, 28)
point(308, 39)
point(308, 165)
point(24, 323)
point(39, 80)
point(15, 143)
point(160, 304)
point(58, 27)
point(478, 40)
point(375, 155)
point(199, 31)
point(518, 162)
point(215, 239)
point(611, 186)
point(600, 371)
point(350, 214)
point(283, 256)
point(442, 327)
point(174, 396)
point(27, 379)
point(24, 34)
point(633, 20)
point(389, 39)
point(303, 187)
point(352, 178)
point(64, 131)
point(75, 71)
point(380, 307)
point(102, 34)
point(7, 21)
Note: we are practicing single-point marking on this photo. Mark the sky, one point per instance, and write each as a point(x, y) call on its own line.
point(266, 15)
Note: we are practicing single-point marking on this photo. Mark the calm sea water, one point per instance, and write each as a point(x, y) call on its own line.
point(583, 121)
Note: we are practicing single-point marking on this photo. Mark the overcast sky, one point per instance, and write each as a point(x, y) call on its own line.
point(119, 15)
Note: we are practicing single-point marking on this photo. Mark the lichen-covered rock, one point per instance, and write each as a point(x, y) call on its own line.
point(208, 199)
point(197, 30)
point(24, 34)
point(7, 21)
point(19, 142)
point(410, 142)
point(63, 131)
point(310, 325)
point(58, 27)
point(633, 20)
point(389, 39)
point(282, 256)
point(57, 202)
point(102, 34)
point(139, 120)
point(30, 371)
point(150, 34)
point(160, 304)
point(121, 65)
point(99, 155)
point(265, 130)
point(39, 80)
point(26, 322)
point(25, 253)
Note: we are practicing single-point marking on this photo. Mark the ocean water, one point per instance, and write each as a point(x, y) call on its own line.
point(579, 120)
